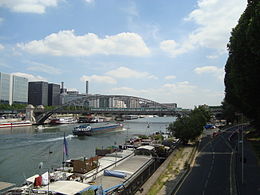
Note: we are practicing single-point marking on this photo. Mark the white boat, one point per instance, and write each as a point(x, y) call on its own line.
point(15, 124)
point(66, 120)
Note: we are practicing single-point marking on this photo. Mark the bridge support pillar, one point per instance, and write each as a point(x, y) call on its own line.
point(30, 113)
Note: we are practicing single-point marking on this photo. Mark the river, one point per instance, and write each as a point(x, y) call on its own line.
point(22, 149)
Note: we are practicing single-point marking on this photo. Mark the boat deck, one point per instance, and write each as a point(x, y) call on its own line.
point(108, 162)
point(131, 167)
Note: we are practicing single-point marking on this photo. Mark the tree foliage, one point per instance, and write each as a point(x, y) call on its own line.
point(229, 112)
point(190, 127)
point(12, 107)
point(242, 68)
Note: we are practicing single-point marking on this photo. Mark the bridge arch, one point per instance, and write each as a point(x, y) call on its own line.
point(140, 103)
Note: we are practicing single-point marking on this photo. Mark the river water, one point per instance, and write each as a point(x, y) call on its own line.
point(22, 149)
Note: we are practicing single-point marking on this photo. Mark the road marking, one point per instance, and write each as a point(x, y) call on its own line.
point(196, 155)
point(230, 173)
point(211, 169)
point(231, 178)
point(216, 153)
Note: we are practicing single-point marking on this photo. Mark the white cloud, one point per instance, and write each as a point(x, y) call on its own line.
point(90, 1)
point(66, 43)
point(170, 77)
point(124, 72)
point(212, 57)
point(28, 6)
point(98, 79)
point(180, 87)
point(43, 68)
point(1, 20)
point(183, 93)
point(174, 49)
point(1, 47)
point(129, 91)
point(218, 72)
point(215, 20)
point(30, 77)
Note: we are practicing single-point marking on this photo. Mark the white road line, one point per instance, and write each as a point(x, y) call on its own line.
point(211, 169)
point(230, 174)
point(230, 165)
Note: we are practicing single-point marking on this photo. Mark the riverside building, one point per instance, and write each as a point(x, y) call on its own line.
point(38, 93)
point(13, 89)
point(53, 94)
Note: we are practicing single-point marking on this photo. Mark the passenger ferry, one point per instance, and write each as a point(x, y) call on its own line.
point(94, 129)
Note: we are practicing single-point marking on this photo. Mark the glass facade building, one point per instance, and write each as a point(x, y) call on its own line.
point(53, 94)
point(5, 88)
point(13, 89)
point(19, 90)
point(38, 93)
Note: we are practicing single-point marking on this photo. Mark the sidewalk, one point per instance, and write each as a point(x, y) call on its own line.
point(251, 184)
point(167, 172)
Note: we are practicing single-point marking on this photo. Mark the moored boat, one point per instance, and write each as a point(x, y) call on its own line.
point(66, 120)
point(15, 124)
point(90, 130)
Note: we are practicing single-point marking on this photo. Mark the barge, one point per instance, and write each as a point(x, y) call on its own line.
point(94, 129)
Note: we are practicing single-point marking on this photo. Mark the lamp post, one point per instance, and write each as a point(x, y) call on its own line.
point(241, 129)
point(242, 150)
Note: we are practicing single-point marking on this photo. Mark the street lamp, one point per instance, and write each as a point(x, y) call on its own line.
point(241, 128)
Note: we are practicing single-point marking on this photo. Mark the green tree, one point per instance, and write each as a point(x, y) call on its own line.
point(242, 68)
point(190, 127)
point(229, 112)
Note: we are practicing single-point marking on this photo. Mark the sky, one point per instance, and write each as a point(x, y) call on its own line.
point(168, 51)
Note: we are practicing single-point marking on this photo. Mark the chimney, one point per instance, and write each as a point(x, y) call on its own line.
point(62, 87)
point(87, 87)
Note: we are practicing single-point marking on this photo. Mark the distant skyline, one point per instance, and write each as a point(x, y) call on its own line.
point(167, 51)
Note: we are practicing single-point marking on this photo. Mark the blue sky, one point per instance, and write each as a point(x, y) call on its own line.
point(167, 51)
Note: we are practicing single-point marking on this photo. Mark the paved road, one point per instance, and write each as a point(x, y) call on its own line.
point(211, 173)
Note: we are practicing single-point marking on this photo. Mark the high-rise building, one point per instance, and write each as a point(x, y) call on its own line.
point(38, 93)
point(5, 88)
point(53, 94)
point(13, 89)
point(19, 90)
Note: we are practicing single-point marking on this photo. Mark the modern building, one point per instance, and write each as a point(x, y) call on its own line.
point(104, 102)
point(69, 97)
point(13, 89)
point(116, 103)
point(53, 94)
point(38, 93)
point(5, 88)
point(19, 87)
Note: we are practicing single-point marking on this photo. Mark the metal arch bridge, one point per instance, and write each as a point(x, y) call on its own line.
point(147, 107)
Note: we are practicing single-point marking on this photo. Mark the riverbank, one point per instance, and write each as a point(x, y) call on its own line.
point(164, 179)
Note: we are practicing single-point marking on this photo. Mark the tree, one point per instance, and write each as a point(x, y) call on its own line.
point(190, 127)
point(242, 68)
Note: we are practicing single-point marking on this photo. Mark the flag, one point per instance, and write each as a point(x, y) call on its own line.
point(65, 146)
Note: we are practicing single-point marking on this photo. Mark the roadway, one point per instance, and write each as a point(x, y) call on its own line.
point(212, 172)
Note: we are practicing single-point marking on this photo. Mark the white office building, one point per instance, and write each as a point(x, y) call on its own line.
point(13, 89)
